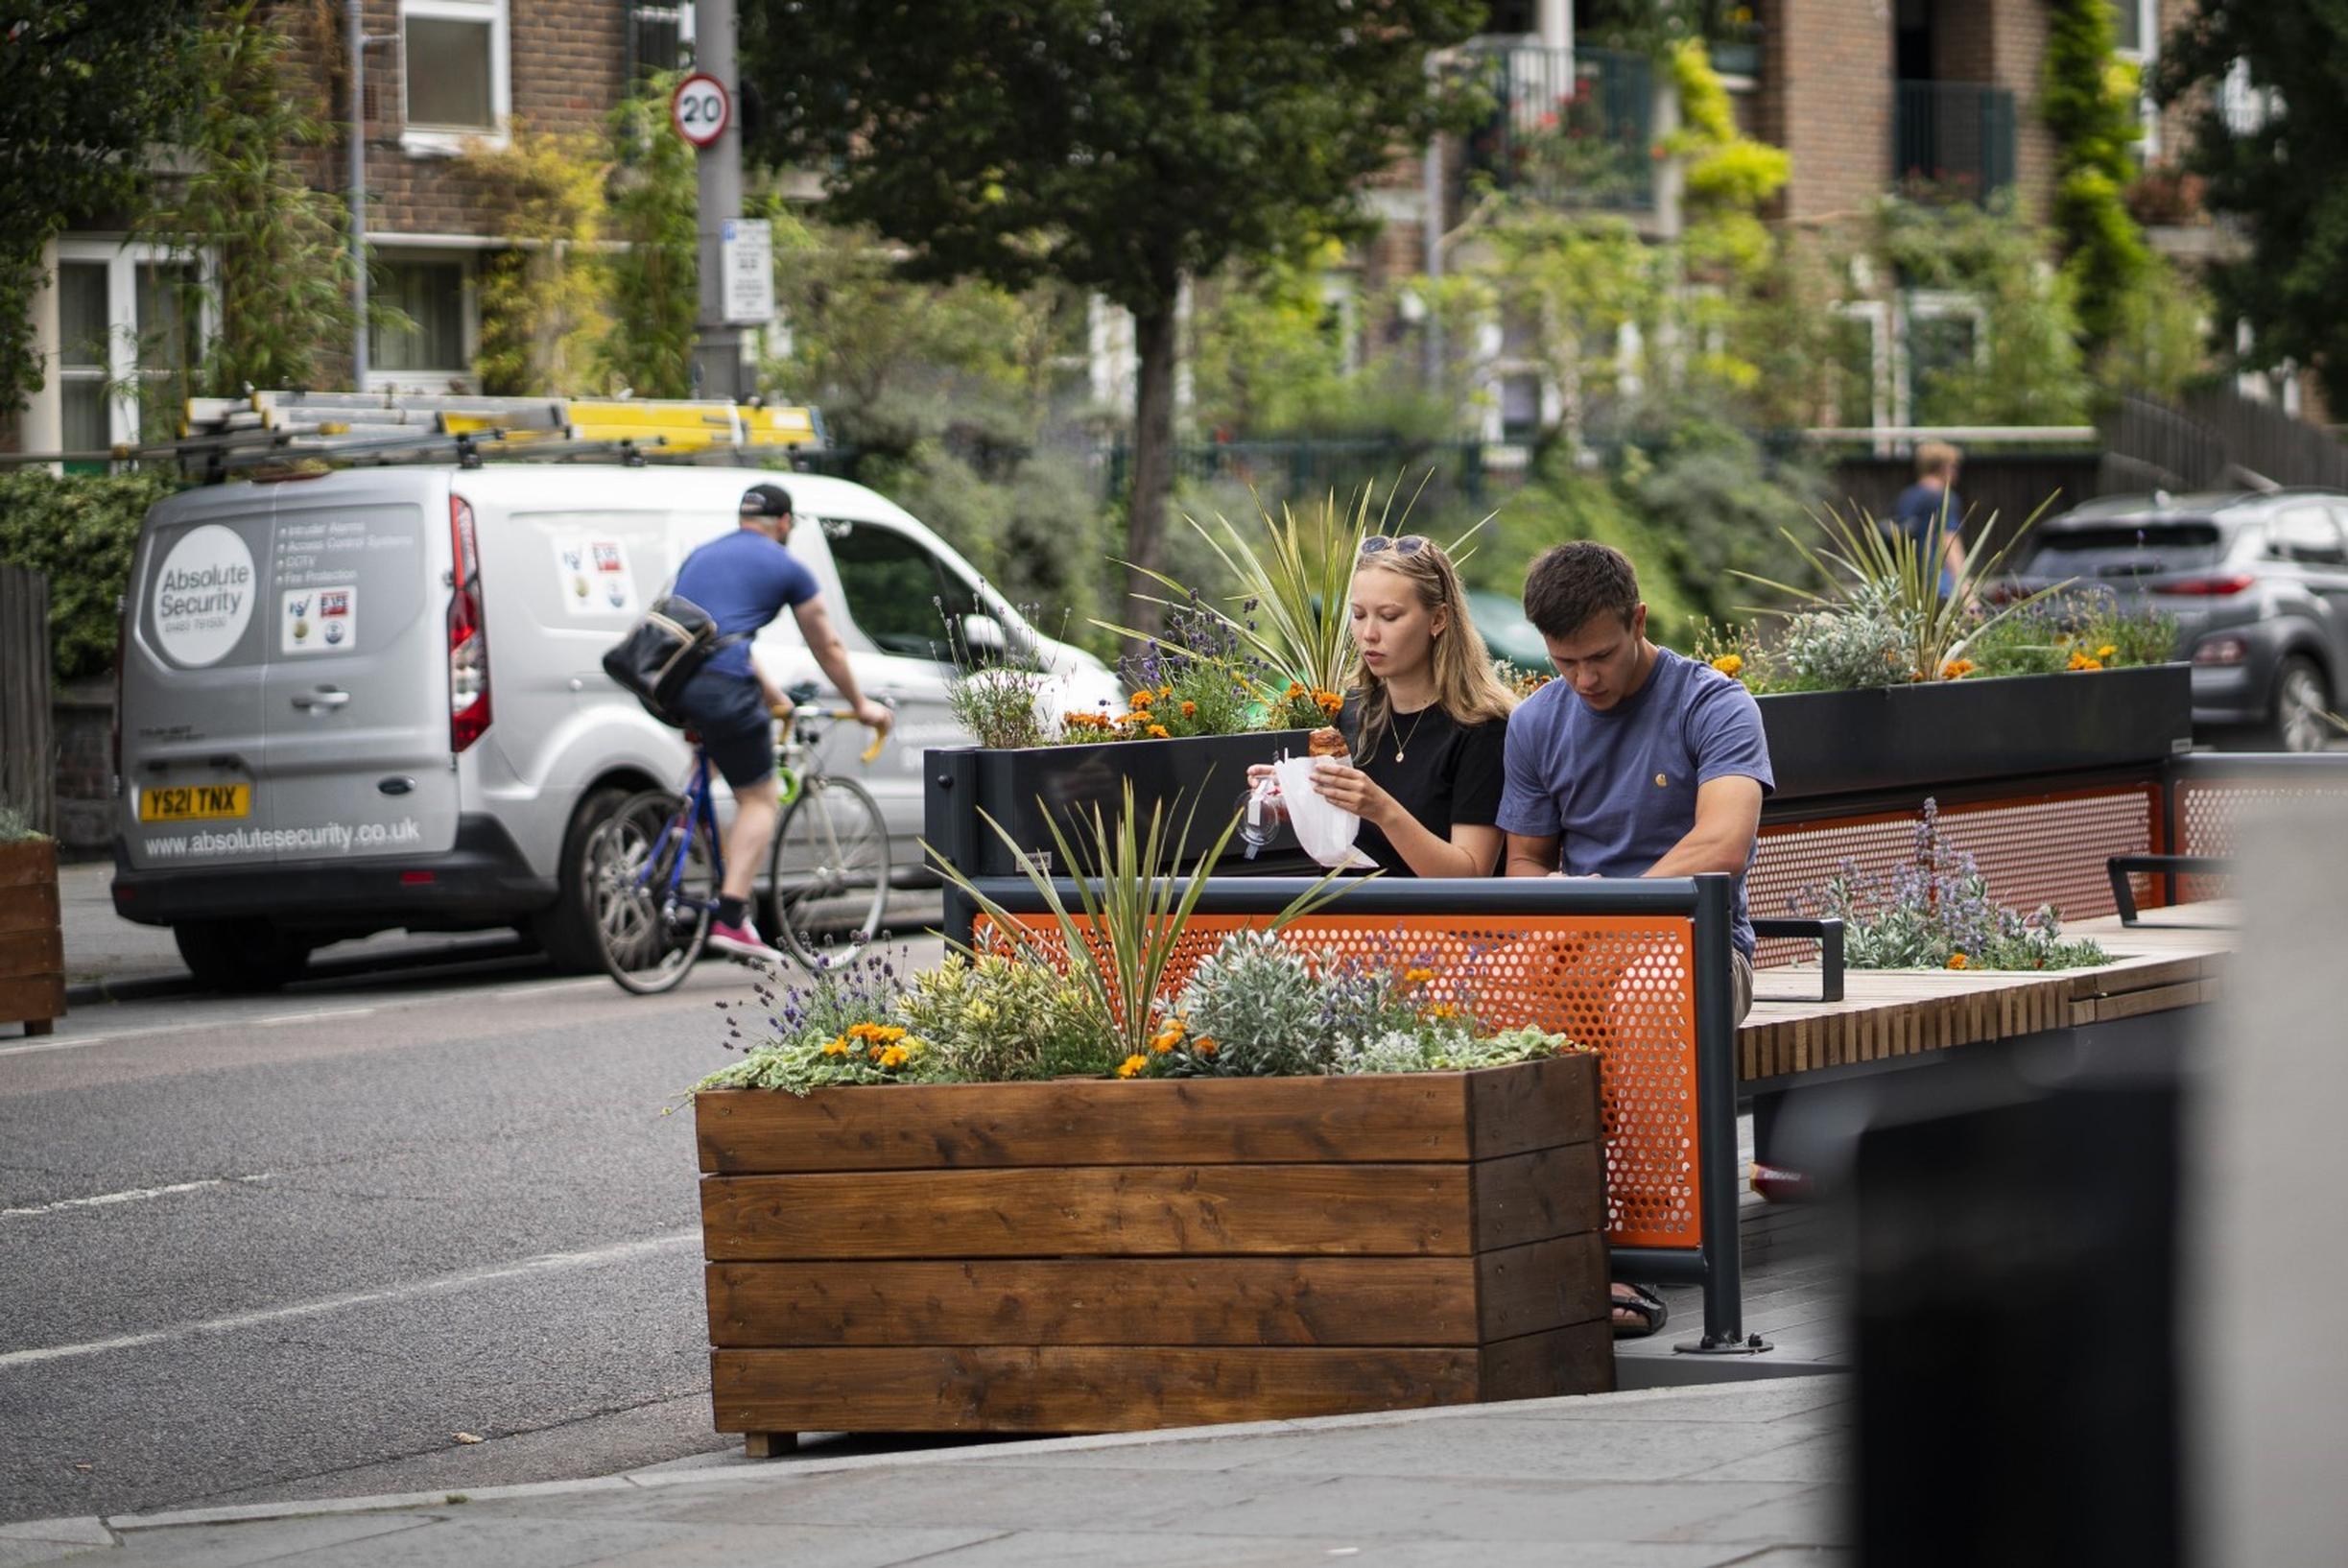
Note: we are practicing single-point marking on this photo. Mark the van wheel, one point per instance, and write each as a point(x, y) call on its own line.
point(241, 954)
point(567, 929)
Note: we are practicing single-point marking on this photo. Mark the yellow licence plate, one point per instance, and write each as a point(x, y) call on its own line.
point(193, 802)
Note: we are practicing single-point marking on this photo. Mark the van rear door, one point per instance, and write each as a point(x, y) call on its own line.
point(356, 686)
point(194, 654)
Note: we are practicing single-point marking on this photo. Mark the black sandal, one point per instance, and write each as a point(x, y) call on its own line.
point(1647, 1306)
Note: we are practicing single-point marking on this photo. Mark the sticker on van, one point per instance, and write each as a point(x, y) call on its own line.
point(204, 595)
point(594, 577)
point(319, 620)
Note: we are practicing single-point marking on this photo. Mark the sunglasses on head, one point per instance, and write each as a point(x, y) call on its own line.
point(1409, 544)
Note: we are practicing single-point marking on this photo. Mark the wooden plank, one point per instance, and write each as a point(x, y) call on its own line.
point(1530, 1197)
point(1564, 1361)
point(27, 752)
point(1066, 1389)
point(1552, 1284)
point(1125, 1211)
point(32, 953)
point(39, 997)
point(1539, 1106)
point(33, 907)
point(1082, 1122)
point(27, 864)
point(1203, 1301)
point(2137, 1004)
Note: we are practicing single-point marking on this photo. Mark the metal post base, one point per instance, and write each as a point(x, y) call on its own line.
point(1752, 1344)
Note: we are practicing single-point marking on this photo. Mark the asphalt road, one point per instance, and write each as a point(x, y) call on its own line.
point(310, 1245)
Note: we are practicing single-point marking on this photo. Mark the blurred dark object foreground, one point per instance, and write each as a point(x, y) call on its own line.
point(2015, 1312)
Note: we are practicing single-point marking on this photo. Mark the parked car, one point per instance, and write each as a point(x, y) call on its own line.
point(374, 699)
point(2258, 584)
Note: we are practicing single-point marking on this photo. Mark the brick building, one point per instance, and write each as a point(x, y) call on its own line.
point(440, 76)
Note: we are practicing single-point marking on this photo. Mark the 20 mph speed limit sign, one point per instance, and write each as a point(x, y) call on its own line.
point(700, 108)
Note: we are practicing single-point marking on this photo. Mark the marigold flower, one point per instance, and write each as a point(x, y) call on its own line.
point(1956, 960)
point(1418, 977)
point(836, 1048)
point(1295, 689)
point(1202, 1046)
point(1140, 701)
point(1329, 702)
point(1729, 664)
point(1132, 1066)
point(1189, 710)
point(1956, 669)
point(1443, 1009)
point(2106, 651)
point(1159, 732)
point(895, 1056)
point(1164, 693)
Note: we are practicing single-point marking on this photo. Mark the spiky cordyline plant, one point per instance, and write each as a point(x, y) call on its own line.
point(1298, 583)
point(1132, 907)
point(1867, 566)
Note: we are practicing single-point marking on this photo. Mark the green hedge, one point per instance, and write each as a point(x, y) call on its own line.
point(80, 530)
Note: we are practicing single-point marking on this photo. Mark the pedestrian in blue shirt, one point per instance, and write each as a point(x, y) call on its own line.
point(1930, 514)
point(1635, 762)
point(745, 580)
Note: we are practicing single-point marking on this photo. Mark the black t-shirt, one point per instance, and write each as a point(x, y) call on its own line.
point(1449, 773)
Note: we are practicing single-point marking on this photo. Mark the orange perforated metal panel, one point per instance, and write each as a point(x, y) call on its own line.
point(2035, 850)
point(1623, 986)
point(2210, 814)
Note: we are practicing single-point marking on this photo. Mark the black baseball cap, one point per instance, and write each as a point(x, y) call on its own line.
point(766, 500)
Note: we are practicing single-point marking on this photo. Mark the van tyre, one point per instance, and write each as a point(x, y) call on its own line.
point(567, 930)
point(241, 954)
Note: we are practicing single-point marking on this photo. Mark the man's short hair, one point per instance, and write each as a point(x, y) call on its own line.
point(1937, 460)
point(766, 500)
point(1570, 583)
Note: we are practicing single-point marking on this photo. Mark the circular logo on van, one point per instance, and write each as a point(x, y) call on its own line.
point(204, 595)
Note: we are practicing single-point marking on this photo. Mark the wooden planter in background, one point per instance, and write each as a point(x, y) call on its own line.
point(32, 938)
point(1087, 1255)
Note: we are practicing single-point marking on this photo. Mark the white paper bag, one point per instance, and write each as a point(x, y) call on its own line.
point(1325, 829)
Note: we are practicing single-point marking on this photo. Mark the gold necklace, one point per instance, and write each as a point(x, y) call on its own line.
point(1416, 720)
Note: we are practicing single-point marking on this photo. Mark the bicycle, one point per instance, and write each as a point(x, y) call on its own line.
point(657, 861)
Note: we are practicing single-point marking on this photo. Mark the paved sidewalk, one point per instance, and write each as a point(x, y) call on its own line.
point(1748, 1473)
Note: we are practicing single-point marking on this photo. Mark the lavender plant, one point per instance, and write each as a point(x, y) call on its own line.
point(1933, 911)
point(836, 1029)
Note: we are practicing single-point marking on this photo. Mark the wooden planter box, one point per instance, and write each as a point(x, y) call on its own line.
point(1017, 788)
point(32, 940)
point(1087, 1255)
point(1905, 738)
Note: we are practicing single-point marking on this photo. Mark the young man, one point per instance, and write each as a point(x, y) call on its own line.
point(745, 580)
point(1931, 502)
point(1636, 761)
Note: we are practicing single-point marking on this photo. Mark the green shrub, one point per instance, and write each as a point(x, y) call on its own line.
point(16, 826)
point(80, 530)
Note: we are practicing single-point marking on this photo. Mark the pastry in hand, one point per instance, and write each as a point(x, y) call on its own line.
point(1327, 742)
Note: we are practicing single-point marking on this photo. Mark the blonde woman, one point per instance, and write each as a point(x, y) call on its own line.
point(1426, 718)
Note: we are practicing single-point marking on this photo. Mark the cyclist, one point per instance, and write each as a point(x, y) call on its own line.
point(745, 580)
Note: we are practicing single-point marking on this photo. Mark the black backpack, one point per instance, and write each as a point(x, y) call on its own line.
point(664, 651)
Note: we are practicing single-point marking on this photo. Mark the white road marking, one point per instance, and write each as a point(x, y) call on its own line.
point(76, 1042)
point(134, 1195)
point(445, 1284)
point(313, 1017)
point(524, 993)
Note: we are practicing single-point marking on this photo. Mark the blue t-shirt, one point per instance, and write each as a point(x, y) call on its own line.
point(1918, 508)
point(744, 581)
point(1617, 789)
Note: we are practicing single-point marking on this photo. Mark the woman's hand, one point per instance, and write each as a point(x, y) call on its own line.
point(1258, 773)
point(1356, 791)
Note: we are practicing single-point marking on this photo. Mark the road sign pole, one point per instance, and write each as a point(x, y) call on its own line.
point(717, 353)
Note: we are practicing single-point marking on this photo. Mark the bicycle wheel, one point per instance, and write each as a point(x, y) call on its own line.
point(651, 919)
point(829, 870)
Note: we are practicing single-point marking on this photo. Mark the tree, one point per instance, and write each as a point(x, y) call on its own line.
point(655, 282)
point(281, 273)
point(2274, 164)
point(1121, 148)
point(87, 87)
point(2089, 101)
point(542, 297)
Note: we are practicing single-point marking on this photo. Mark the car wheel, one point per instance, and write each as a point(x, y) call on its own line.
point(567, 929)
point(241, 954)
point(2297, 718)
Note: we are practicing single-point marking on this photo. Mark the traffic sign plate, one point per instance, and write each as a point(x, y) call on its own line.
point(700, 108)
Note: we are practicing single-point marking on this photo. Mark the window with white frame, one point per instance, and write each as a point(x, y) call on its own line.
point(1856, 395)
point(455, 68)
point(432, 345)
point(1940, 334)
point(125, 338)
point(2136, 39)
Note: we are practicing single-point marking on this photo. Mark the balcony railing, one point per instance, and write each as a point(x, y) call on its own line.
point(1572, 128)
point(1953, 137)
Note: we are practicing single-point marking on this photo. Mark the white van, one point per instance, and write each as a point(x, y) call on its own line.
point(374, 697)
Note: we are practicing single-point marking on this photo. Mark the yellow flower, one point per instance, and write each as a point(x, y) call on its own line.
point(1132, 1066)
point(2106, 651)
point(1729, 664)
point(1159, 732)
point(1956, 960)
point(1167, 1038)
point(1443, 1009)
point(1164, 693)
point(1296, 688)
point(895, 1056)
point(1140, 702)
point(836, 1048)
point(1418, 977)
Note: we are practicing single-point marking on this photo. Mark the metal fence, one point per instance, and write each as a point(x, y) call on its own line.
point(1957, 136)
point(27, 763)
point(2218, 439)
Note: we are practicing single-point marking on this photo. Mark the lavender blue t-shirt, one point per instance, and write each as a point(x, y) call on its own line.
point(1617, 789)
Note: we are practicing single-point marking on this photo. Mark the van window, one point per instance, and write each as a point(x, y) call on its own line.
point(899, 593)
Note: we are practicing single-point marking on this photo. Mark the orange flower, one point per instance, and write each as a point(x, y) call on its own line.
point(895, 1056)
point(1329, 702)
point(1202, 1046)
point(1189, 710)
point(1159, 732)
point(1956, 960)
point(1418, 977)
point(1133, 1066)
point(1140, 701)
point(1956, 669)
